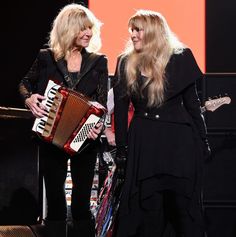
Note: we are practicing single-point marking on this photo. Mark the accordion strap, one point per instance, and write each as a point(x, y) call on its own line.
point(62, 67)
point(90, 62)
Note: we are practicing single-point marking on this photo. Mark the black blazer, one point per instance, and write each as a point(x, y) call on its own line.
point(92, 81)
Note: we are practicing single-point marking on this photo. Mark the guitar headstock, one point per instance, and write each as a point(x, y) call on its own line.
point(213, 104)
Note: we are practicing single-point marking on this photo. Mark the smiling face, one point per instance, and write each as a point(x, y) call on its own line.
point(137, 32)
point(137, 35)
point(84, 37)
point(149, 32)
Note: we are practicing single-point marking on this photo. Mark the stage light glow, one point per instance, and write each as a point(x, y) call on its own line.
point(185, 17)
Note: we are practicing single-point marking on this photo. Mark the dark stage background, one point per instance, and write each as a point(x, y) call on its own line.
point(220, 36)
point(24, 31)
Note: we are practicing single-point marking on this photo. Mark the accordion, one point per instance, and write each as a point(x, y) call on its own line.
point(70, 117)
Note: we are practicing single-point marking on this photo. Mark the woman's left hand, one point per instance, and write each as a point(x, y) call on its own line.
point(95, 131)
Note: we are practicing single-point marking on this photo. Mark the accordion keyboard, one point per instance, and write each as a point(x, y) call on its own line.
point(81, 136)
point(50, 94)
point(54, 106)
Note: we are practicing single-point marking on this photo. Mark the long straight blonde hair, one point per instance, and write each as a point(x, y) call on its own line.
point(66, 26)
point(158, 44)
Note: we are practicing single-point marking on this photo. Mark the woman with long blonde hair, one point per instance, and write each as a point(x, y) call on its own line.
point(160, 156)
point(73, 61)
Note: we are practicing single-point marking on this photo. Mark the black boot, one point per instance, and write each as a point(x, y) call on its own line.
point(55, 228)
point(82, 228)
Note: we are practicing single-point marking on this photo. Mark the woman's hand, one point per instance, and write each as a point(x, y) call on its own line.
point(110, 135)
point(95, 131)
point(35, 105)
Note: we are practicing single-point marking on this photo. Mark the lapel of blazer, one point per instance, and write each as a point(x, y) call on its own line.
point(60, 64)
point(89, 62)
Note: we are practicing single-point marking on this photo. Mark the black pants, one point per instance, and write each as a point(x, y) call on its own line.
point(54, 169)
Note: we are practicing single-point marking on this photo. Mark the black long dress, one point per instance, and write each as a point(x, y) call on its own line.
point(165, 144)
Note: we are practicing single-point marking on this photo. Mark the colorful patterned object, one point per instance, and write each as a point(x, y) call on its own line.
point(108, 204)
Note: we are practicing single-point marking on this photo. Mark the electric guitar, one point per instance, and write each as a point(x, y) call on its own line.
point(214, 104)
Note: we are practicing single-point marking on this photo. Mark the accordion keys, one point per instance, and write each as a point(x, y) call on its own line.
point(52, 115)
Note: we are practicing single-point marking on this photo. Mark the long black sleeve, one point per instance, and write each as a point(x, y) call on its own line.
point(102, 72)
point(121, 101)
point(28, 83)
point(192, 104)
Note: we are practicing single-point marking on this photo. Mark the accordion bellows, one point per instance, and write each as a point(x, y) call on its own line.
point(71, 115)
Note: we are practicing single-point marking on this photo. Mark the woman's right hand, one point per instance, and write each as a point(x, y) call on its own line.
point(35, 105)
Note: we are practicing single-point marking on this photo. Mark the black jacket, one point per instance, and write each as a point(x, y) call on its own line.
point(92, 80)
point(181, 104)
